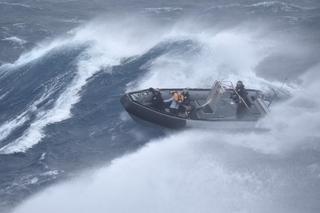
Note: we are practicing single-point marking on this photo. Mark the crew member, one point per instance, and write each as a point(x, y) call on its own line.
point(175, 102)
point(156, 100)
point(240, 97)
point(185, 105)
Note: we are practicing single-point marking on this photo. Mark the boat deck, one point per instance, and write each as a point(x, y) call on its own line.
point(225, 109)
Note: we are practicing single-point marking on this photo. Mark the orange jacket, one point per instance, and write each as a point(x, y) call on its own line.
point(178, 97)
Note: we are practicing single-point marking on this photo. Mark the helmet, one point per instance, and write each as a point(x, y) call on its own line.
point(239, 84)
point(185, 91)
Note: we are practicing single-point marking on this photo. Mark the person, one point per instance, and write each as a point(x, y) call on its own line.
point(185, 106)
point(186, 97)
point(156, 99)
point(240, 97)
point(174, 102)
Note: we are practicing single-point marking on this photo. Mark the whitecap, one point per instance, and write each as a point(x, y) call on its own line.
point(15, 4)
point(15, 39)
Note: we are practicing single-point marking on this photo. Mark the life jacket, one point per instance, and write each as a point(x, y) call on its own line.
point(178, 97)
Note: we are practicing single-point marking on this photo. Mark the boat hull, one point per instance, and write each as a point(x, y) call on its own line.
point(151, 115)
point(147, 114)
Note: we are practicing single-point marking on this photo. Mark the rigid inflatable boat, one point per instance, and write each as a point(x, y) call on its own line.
point(209, 108)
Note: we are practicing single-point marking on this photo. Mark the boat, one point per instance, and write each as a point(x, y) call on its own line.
point(209, 108)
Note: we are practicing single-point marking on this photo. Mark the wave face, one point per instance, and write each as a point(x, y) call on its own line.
point(61, 116)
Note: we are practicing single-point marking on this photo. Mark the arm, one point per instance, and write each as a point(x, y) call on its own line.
point(168, 100)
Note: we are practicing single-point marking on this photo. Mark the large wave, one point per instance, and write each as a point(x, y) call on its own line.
point(106, 46)
point(197, 170)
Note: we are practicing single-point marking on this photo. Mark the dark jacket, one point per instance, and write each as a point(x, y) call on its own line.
point(241, 91)
point(157, 100)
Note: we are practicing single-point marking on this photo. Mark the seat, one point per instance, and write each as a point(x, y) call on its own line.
point(213, 97)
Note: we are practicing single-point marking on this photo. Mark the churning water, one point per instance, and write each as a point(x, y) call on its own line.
point(66, 144)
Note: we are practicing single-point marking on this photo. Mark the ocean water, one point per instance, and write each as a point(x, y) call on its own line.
point(67, 145)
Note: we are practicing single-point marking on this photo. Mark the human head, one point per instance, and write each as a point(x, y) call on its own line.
point(185, 91)
point(239, 83)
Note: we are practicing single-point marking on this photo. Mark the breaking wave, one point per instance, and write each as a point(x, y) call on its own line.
point(103, 52)
point(194, 170)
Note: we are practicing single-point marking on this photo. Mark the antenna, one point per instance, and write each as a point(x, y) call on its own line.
point(275, 92)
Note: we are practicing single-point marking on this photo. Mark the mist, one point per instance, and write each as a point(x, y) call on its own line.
point(199, 170)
